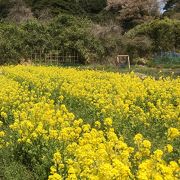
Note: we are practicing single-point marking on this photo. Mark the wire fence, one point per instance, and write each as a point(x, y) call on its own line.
point(170, 54)
point(167, 58)
point(55, 57)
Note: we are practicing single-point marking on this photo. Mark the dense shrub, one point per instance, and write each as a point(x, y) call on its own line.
point(5, 5)
point(81, 7)
point(92, 42)
point(55, 6)
point(11, 43)
point(93, 6)
point(36, 36)
point(73, 33)
point(64, 32)
point(165, 33)
point(138, 46)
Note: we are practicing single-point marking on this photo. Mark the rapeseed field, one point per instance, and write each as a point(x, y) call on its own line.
point(64, 123)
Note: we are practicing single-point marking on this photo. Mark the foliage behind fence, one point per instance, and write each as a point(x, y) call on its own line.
point(64, 32)
point(55, 57)
point(169, 59)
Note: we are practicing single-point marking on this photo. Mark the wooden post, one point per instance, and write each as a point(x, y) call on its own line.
point(129, 65)
point(128, 60)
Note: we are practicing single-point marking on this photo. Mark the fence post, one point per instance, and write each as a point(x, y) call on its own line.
point(129, 65)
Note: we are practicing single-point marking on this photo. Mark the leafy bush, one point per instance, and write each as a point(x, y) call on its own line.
point(11, 43)
point(64, 32)
point(36, 36)
point(69, 32)
point(93, 6)
point(164, 33)
point(5, 5)
point(138, 46)
point(167, 60)
point(81, 7)
point(56, 6)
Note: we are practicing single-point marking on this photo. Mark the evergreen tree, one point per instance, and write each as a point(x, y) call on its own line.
point(5, 5)
point(133, 12)
point(172, 8)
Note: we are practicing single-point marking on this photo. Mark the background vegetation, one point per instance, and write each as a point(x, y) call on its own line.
point(97, 30)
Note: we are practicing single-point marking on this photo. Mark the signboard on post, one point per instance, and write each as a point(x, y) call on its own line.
point(122, 60)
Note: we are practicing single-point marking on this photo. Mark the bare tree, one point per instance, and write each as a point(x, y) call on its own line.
point(19, 12)
point(44, 15)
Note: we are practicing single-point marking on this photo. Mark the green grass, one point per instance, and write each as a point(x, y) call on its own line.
point(10, 169)
point(166, 62)
point(139, 70)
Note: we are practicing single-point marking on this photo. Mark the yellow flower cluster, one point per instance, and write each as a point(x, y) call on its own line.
point(92, 125)
point(156, 168)
point(143, 147)
point(173, 133)
point(123, 97)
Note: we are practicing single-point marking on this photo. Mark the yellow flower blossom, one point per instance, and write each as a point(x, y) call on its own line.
point(138, 138)
point(55, 176)
point(34, 118)
point(2, 134)
point(146, 144)
point(108, 122)
point(169, 148)
point(173, 133)
point(97, 124)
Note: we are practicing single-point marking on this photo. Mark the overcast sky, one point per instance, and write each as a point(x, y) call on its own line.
point(161, 3)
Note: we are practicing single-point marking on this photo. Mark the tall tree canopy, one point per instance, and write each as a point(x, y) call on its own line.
point(69, 6)
point(133, 12)
point(54, 7)
point(172, 8)
point(5, 5)
point(19, 12)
